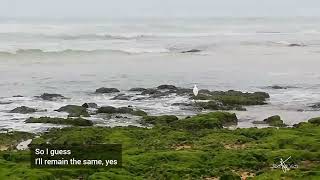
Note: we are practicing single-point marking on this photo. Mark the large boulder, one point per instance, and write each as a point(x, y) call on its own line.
point(23, 110)
point(191, 51)
point(51, 97)
point(74, 111)
point(106, 90)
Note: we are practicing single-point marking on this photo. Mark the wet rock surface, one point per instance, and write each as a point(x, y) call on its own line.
point(51, 97)
point(137, 89)
point(23, 110)
point(62, 121)
point(274, 121)
point(104, 90)
point(90, 105)
point(74, 111)
point(123, 97)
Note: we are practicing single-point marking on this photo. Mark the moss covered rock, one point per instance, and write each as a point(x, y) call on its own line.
point(232, 97)
point(315, 121)
point(23, 110)
point(216, 105)
point(120, 110)
point(74, 111)
point(159, 120)
point(67, 121)
point(213, 120)
point(274, 121)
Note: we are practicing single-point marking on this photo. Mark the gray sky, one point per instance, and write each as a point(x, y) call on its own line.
point(157, 8)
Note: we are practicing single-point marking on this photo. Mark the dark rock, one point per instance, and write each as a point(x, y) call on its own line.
point(106, 90)
point(295, 45)
point(122, 97)
point(137, 89)
point(17, 96)
point(23, 110)
point(167, 87)
point(150, 92)
point(281, 87)
point(90, 105)
point(51, 97)
point(68, 121)
point(274, 121)
point(315, 106)
point(107, 109)
point(121, 110)
point(216, 105)
point(191, 51)
point(74, 111)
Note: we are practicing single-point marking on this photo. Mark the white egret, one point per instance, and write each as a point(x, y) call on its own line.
point(195, 90)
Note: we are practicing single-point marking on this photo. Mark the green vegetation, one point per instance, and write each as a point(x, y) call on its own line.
point(191, 148)
point(67, 121)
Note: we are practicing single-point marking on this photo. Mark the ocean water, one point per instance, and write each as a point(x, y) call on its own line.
point(75, 57)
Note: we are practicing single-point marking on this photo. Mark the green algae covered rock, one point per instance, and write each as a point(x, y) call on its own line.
point(315, 121)
point(120, 110)
point(274, 121)
point(67, 121)
point(74, 111)
point(213, 120)
point(159, 120)
point(23, 110)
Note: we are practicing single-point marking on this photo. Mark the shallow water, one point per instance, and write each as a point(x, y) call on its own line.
point(246, 55)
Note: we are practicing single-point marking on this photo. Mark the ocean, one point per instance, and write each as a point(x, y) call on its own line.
point(75, 57)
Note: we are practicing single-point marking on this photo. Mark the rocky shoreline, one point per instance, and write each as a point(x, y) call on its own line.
point(203, 146)
point(205, 101)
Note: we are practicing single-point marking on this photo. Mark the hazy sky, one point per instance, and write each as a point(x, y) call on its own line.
point(157, 8)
